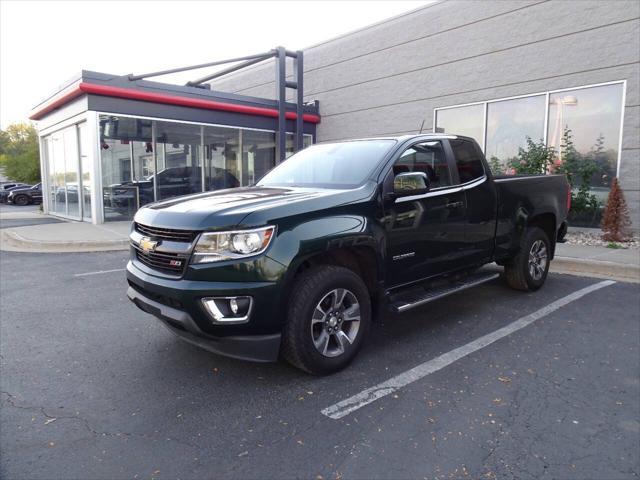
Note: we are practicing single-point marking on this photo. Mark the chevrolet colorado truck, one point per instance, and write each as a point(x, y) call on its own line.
point(298, 265)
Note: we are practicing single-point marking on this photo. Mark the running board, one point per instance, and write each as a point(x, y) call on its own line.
point(408, 299)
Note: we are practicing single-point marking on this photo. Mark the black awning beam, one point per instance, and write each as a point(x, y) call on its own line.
point(261, 56)
point(280, 54)
point(226, 71)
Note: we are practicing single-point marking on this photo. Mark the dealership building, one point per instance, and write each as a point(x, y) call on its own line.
point(500, 72)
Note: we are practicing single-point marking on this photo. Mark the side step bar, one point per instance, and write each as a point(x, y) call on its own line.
point(417, 296)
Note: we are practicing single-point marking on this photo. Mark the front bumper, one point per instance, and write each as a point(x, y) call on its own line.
point(176, 304)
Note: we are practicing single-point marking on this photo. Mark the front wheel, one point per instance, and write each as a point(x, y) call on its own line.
point(21, 200)
point(328, 317)
point(528, 270)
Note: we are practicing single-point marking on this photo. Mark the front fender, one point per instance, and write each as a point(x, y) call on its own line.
point(310, 238)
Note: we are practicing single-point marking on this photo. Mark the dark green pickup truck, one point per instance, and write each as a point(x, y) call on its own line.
point(299, 265)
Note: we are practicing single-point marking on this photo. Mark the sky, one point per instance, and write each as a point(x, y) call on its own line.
point(45, 43)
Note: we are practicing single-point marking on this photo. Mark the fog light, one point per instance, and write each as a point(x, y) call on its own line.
point(228, 310)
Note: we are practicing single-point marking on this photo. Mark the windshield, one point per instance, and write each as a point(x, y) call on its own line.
point(330, 165)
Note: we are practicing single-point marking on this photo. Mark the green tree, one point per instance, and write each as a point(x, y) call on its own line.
point(19, 153)
point(496, 165)
point(605, 161)
point(536, 158)
point(579, 170)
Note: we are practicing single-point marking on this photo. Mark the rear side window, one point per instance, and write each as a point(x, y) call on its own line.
point(468, 160)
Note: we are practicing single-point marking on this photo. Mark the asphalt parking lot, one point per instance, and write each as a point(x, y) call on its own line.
point(94, 388)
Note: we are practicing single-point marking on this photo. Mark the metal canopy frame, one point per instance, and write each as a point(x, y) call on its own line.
point(280, 54)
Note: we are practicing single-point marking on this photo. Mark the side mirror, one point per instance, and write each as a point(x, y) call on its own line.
point(410, 183)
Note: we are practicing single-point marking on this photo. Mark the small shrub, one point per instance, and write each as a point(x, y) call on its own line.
point(615, 221)
point(536, 158)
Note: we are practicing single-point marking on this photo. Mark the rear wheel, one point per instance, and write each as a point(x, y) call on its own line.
point(328, 317)
point(528, 270)
point(21, 200)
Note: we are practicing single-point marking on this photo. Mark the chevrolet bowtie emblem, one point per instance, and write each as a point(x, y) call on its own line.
point(147, 245)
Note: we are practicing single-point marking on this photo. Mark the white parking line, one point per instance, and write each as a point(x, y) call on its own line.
point(351, 404)
point(99, 272)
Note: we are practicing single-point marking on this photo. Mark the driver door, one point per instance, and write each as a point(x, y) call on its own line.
point(425, 233)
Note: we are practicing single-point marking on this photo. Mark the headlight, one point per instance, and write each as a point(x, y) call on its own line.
point(218, 246)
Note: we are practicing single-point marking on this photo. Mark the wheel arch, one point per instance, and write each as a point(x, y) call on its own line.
point(360, 259)
point(548, 224)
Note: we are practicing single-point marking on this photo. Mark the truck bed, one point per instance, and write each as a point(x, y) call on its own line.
point(522, 196)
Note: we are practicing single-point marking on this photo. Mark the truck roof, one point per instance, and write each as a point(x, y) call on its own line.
point(403, 137)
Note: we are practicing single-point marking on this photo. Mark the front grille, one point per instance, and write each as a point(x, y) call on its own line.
point(166, 233)
point(171, 263)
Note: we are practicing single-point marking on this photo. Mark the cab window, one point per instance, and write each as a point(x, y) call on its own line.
point(468, 160)
point(429, 158)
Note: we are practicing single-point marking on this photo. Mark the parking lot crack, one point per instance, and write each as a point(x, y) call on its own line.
point(10, 399)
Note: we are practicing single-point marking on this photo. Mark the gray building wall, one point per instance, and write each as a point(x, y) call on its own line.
point(387, 78)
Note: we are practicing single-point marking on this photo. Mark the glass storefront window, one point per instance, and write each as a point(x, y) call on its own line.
point(126, 154)
point(189, 158)
point(509, 123)
point(258, 155)
point(592, 115)
point(221, 153)
point(291, 143)
point(179, 159)
point(467, 121)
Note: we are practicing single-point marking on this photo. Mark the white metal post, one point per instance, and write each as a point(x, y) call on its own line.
point(93, 151)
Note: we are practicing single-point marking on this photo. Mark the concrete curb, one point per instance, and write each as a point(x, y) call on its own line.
point(13, 242)
point(596, 268)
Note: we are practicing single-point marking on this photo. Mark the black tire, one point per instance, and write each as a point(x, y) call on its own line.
point(518, 272)
point(311, 287)
point(21, 200)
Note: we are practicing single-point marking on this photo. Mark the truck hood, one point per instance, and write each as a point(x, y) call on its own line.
point(228, 208)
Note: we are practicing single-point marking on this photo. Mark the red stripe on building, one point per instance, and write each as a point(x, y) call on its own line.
point(131, 94)
point(66, 98)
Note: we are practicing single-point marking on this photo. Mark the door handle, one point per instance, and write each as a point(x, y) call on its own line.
point(454, 204)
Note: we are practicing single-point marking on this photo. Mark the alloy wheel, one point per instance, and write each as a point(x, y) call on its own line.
point(537, 260)
point(335, 322)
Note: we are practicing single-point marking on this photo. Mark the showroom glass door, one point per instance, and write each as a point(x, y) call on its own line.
point(64, 164)
point(71, 173)
point(58, 191)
